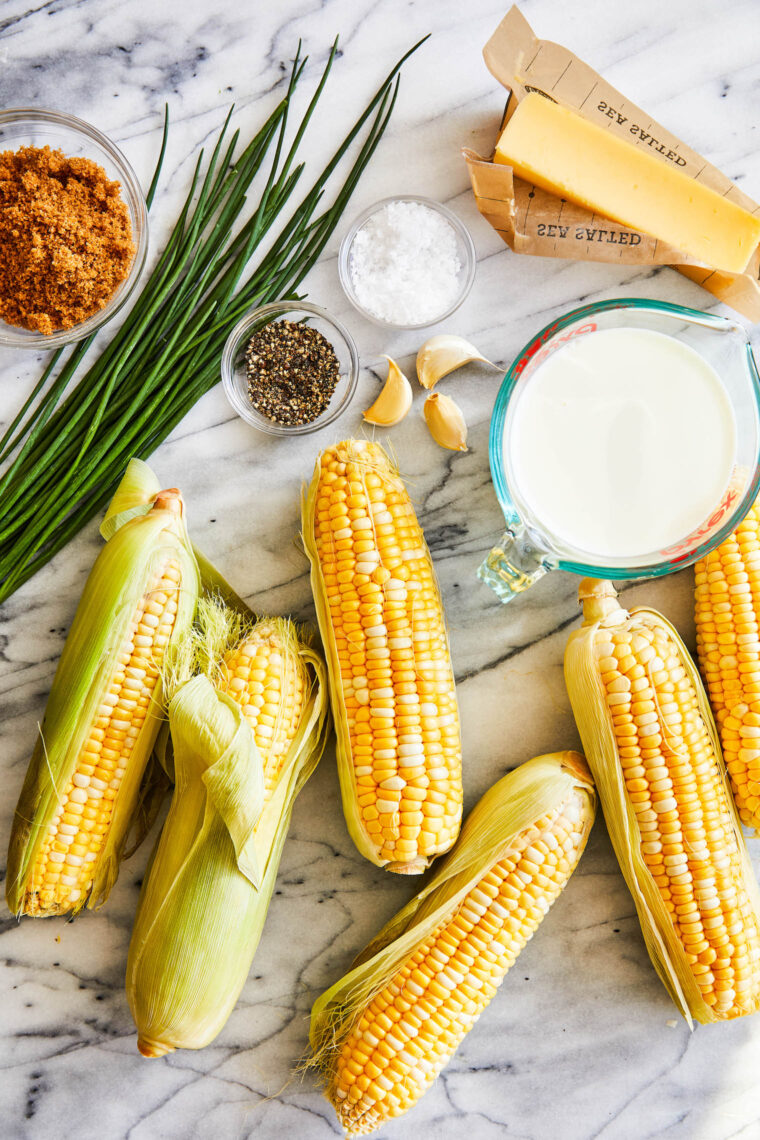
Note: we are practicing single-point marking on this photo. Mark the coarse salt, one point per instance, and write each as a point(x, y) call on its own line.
point(404, 264)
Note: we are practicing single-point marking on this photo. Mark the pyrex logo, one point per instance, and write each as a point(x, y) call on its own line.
point(538, 350)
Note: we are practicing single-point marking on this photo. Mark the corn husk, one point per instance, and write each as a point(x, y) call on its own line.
point(587, 697)
point(204, 901)
point(493, 827)
point(143, 530)
point(134, 496)
point(374, 458)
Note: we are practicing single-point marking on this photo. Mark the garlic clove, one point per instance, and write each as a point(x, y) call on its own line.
point(442, 354)
point(394, 401)
point(445, 421)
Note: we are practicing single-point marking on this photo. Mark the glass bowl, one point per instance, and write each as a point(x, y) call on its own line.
point(465, 250)
point(235, 381)
point(29, 126)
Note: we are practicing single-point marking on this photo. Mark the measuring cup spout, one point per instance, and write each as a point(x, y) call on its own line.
point(514, 565)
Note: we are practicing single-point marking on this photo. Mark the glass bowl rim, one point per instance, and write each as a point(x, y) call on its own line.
point(344, 271)
point(617, 573)
point(129, 181)
point(242, 329)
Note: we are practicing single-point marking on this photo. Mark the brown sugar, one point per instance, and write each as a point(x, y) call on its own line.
point(65, 238)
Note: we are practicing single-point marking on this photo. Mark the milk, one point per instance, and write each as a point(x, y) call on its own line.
point(620, 443)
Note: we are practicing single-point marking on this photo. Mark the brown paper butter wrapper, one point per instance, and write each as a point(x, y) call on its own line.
point(531, 220)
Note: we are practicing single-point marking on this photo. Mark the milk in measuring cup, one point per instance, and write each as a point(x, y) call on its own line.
point(621, 442)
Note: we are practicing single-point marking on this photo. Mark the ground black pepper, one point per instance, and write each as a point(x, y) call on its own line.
point(292, 372)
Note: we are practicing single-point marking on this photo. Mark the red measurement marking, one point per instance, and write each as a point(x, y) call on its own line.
point(538, 350)
point(681, 550)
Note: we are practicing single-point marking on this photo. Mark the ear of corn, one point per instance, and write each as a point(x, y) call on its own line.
point(391, 680)
point(383, 1033)
point(246, 738)
point(727, 609)
point(104, 708)
point(652, 746)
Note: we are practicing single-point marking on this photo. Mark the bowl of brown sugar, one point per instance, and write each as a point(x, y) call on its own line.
point(73, 229)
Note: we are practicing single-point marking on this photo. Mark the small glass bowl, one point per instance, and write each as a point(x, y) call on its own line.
point(235, 380)
point(465, 250)
point(30, 126)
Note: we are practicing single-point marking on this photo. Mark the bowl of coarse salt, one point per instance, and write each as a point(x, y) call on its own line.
point(406, 263)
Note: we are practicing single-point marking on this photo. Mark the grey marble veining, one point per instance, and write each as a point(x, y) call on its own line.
point(581, 1041)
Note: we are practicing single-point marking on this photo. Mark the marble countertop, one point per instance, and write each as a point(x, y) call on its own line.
point(581, 1041)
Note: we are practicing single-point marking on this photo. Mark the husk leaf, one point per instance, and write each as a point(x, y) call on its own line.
point(155, 787)
point(214, 583)
point(493, 826)
point(205, 899)
point(588, 700)
point(134, 496)
point(128, 562)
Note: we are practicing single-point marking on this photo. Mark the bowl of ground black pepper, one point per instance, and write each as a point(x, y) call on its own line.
point(73, 229)
point(289, 368)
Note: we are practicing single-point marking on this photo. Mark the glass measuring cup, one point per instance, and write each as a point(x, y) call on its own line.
point(528, 549)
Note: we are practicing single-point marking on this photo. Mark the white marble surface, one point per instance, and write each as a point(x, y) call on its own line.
point(580, 1041)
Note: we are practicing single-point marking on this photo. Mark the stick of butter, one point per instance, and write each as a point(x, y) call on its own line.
point(557, 149)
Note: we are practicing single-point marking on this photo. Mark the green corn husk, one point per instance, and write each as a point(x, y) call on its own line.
point(134, 496)
point(143, 529)
point(493, 828)
point(589, 702)
point(205, 899)
point(132, 499)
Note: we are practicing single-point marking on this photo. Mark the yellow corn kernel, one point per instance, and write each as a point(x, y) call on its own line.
point(726, 608)
point(266, 675)
point(65, 865)
point(105, 705)
point(204, 901)
point(656, 762)
point(391, 680)
point(384, 1032)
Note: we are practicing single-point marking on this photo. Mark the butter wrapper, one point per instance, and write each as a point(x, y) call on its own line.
point(532, 220)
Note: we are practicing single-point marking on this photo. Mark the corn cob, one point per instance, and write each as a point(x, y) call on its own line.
point(653, 748)
point(247, 733)
point(104, 709)
point(383, 1033)
point(391, 681)
point(727, 605)
point(268, 677)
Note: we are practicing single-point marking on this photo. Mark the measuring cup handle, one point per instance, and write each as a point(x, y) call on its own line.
point(514, 565)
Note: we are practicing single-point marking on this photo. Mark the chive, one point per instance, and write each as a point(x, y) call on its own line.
point(64, 453)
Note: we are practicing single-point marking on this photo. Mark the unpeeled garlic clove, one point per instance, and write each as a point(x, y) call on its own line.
point(394, 401)
point(445, 421)
point(442, 354)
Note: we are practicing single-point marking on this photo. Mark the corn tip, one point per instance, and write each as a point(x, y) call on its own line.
point(150, 1048)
